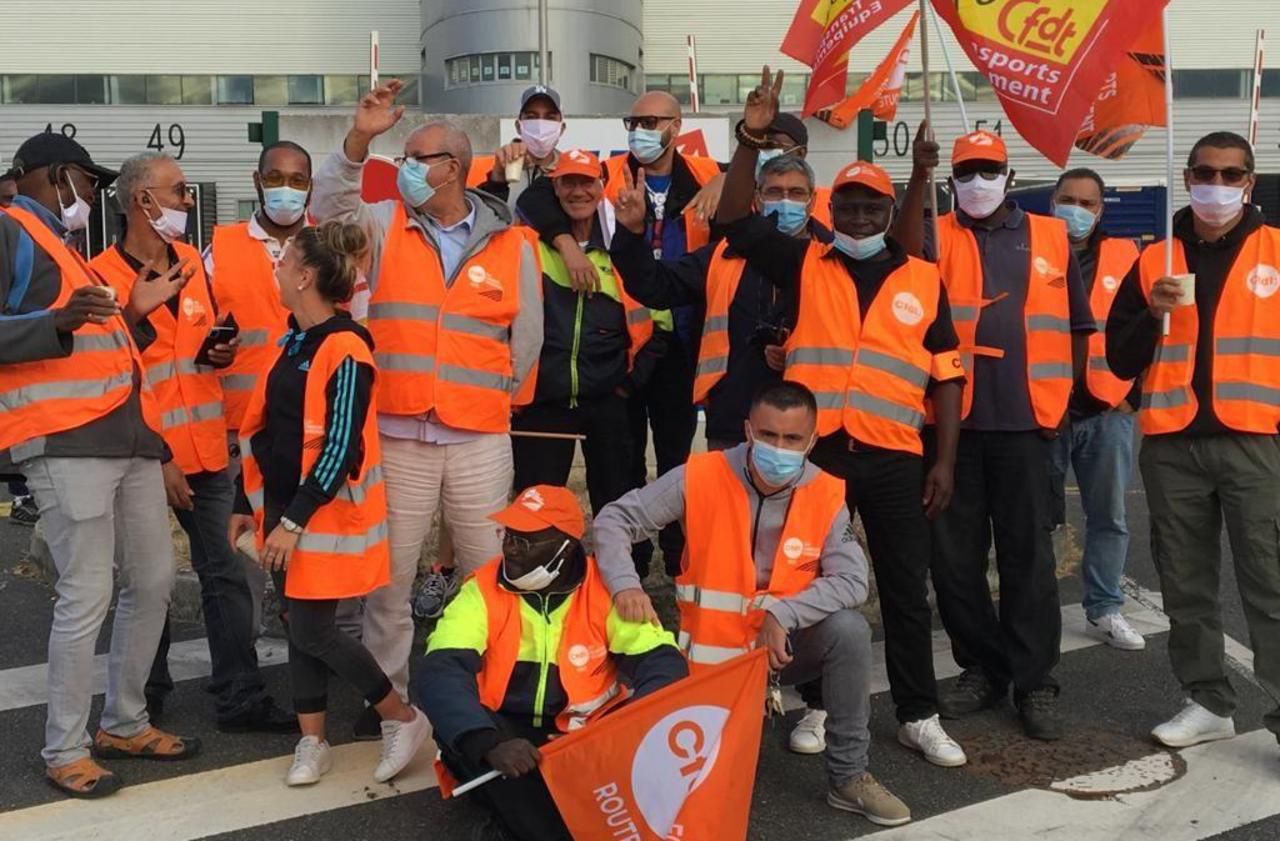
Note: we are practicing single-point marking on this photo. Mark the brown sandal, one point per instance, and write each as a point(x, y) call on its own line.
point(83, 778)
point(149, 744)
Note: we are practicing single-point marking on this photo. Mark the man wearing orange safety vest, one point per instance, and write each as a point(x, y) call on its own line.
point(245, 255)
point(1209, 417)
point(771, 560)
point(455, 311)
point(681, 193)
point(873, 340)
point(80, 423)
point(181, 366)
point(1099, 444)
point(532, 647)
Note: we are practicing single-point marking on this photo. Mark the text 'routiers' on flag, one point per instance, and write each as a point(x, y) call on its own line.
point(677, 765)
point(1047, 59)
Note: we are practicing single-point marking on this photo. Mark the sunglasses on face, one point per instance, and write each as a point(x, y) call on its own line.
point(1231, 176)
point(645, 121)
point(986, 175)
point(424, 157)
point(298, 181)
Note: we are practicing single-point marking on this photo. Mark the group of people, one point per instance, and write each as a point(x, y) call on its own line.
point(310, 392)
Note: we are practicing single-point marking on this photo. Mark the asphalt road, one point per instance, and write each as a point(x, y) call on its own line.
point(1111, 700)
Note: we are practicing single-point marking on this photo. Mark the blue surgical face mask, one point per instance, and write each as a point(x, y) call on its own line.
point(860, 249)
point(412, 182)
point(1079, 221)
point(284, 205)
point(789, 216)
point(764, 156)
point(646, 144)
point(775, 465)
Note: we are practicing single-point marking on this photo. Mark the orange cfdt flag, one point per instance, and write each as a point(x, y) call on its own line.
point(1131, 99)
point(882, 89)
point(1047, 59)
point(677, 765)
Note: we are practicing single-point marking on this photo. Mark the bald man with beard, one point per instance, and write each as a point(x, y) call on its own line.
point(455, 310)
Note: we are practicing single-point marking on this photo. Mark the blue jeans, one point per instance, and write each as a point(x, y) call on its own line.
point(1100, 449)
point(224, 600)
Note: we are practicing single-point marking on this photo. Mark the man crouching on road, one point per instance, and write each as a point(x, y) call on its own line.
point(771, 560)
point(502, 676)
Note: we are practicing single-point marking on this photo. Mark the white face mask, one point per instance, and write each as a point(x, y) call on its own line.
point(540, 136)
point(980, 198)
point(170, 224)
point(541, 577)
point(1216, 204)
point(75, 216)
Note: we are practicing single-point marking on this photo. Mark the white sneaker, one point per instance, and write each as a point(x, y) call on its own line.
point(810, 735)
point(928, 737)
point(400, 743)
point(1193, 725)
point(1115, 631)
point(311, 761)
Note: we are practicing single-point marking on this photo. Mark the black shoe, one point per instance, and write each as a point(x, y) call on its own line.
point(971, 692)
point(368, 727)
point(1038, 710)
point(24, 511)
point(265, 717)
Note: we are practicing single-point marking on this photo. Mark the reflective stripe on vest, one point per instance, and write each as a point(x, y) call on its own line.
point(1246, 342)
point(189, 396)
point(342, 551)
point(724, 276)
point(245, 286)
point(447, 349)
point(1046, 317)
point(90, 382)
point(1115, 258)
point(870, 375)
point(721, 607)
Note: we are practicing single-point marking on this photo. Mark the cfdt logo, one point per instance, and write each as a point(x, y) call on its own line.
point(674, 758)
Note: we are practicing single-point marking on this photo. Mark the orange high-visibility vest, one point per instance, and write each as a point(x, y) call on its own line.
point(697, 232)
point(246, 287)
point(342, 552)
point(188, 395)
point(448, 350)
point(481, 166)
point(869, 377)
point(822, 206)
point(1115, 258)
point(587, 671)
point(1047, 319)
point(39, 399)
point(1246, 344)
point(724, 274)
point(721, 608)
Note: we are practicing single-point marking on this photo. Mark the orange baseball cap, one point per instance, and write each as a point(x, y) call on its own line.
point(979, 146)
point(541, 506)
point(577, 162)
point(866, 174)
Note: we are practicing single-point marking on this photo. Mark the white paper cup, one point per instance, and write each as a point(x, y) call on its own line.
point(1187, 285)
point(514, 170)
point(248, 544)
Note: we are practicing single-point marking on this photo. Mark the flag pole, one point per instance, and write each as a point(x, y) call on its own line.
point(951, 71)
point(1168, 149)
point(1255, 101)
point(932, 199)
point(693, 73)
point(487, 776)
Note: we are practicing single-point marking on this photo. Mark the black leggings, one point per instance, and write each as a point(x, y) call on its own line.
point(317, 646)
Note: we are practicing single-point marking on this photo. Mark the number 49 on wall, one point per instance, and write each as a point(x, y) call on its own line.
point(177, 140)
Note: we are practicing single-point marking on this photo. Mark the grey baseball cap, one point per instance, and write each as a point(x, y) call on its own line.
point(534, 91)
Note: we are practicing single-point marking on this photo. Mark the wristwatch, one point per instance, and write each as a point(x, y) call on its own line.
point(290, 526)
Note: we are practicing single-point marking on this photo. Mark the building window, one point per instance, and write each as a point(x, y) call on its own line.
point(409, 93)
point(341, 90)
point(1271, 82)
point(613, 72)
point(1209, 84)
point(91, 90)
point(245, 208)
point(306, 90)
point(128, 90)
point(484, 68)
point(718, 89)
point(164, 90)
point(197, 90)
point(270, 90)
point(235, 90)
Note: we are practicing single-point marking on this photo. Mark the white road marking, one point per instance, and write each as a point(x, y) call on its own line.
point(1228, 784)
point(213, 802)
point(27, 686)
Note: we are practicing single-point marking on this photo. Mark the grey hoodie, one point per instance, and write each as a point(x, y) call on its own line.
point(336, 195)
point(842, 576)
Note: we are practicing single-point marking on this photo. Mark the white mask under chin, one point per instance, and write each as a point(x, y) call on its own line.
point(540, 577)
point(75, 216)
point(978, 197)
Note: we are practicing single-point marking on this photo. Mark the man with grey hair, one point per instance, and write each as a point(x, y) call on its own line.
point(455, 310)
point(747, 316)
point(182, 365)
